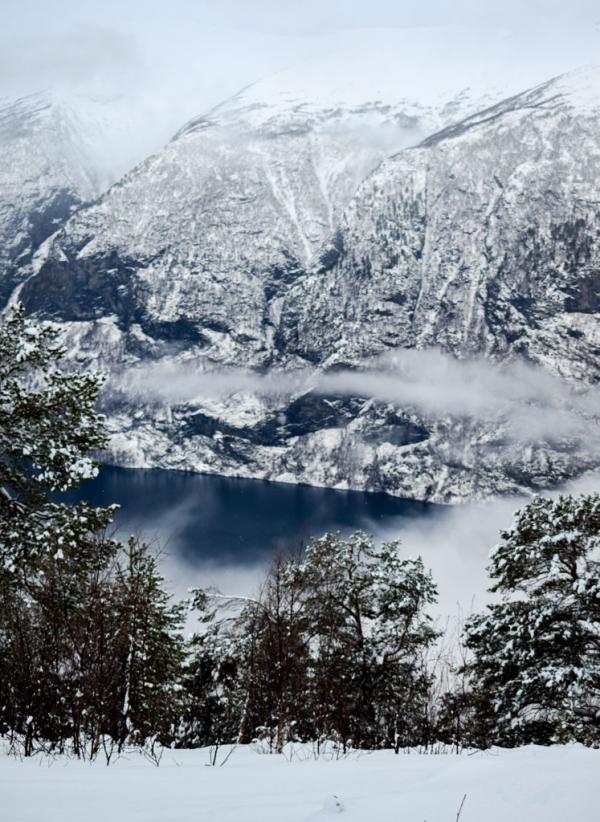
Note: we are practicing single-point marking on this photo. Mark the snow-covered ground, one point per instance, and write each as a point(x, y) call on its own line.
point(532, 784)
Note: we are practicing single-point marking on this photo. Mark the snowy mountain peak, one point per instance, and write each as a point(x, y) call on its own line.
point(446, 72)
point(580, 88)
point(40, 135)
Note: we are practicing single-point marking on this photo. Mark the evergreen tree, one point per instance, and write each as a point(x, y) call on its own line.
point(90, 646)
point(148, 645)
point(212, 698)
point(365, 608)
point(536, 655)
point(332, 649)
point(48, 430)
point(52, 653)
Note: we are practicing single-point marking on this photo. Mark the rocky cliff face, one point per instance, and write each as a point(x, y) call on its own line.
point(241, 244)
point(484, 239)
point(59, 151)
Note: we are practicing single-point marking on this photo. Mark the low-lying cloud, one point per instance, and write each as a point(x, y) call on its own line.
point(454, 542)
point(530, 403)
point(522, 400)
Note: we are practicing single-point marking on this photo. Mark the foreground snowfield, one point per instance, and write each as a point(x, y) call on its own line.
point(530, 785)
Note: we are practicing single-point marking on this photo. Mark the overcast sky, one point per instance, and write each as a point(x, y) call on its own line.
point(44, 41)
point(22, 17)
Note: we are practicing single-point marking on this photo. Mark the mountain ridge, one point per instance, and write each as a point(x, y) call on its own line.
point(143, 278)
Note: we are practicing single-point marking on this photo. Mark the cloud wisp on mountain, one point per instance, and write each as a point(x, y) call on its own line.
point(531, 403)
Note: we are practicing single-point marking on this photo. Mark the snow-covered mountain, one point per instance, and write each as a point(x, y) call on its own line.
point(45, 175)
point(57, 152)
point(245, 243)
point(485, 238)
point(202, 240)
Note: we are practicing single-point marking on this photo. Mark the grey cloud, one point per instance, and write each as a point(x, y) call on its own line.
point(172, 62)
point(90, 58)
point(310, 16)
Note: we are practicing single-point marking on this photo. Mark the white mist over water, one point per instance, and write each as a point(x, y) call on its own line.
point(454, 542)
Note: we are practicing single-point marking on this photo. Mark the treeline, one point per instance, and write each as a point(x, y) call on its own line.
point(335, 648)
point(338, 646)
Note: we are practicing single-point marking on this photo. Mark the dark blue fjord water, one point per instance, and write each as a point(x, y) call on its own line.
point(207, 518)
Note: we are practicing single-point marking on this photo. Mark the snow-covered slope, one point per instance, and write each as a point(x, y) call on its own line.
point(45, 174)
point(58, 151)
point(482, 240)
point(533, 784)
